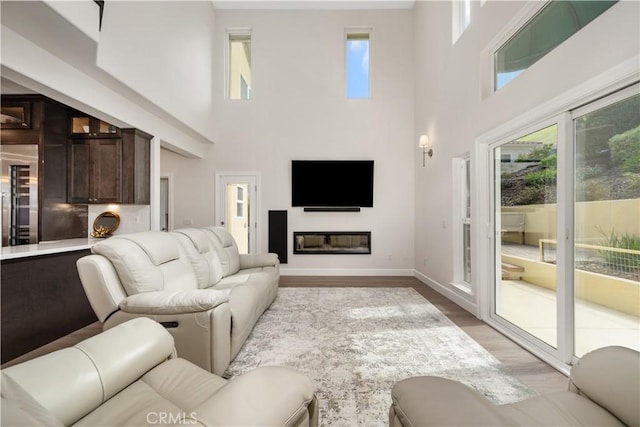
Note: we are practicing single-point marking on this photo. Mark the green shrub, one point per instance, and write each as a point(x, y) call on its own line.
point(530, 196)
point(621, 260)
point(625, 150)
point(549, 161)
point(631, 186)
point(541, 177)
point(588, 172)
point(593, 190)
point(537, 153)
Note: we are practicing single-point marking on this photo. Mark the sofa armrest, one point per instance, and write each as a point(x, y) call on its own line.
point(434, 401)
point(600, 371)
point(258, 260)
point(269, 395)
point(173, 302)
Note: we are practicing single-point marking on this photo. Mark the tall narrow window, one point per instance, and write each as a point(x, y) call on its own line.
point(357, 61)
point(556, 22)
point(460, 18)
point(239, 73)
point(462, 222)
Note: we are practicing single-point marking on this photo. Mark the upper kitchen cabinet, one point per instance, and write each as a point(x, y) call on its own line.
point(84, 126)
point(110, 170)
point(20, 119)
point(95, 171)
point(136, 167)
point(15, 114)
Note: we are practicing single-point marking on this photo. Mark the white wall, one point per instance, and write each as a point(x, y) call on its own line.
point(299, 111)
point(133, 218)
point(451, 108)
point(163, 50)
point(44, 50)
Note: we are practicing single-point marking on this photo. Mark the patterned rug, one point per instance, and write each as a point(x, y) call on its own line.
point(355, 343)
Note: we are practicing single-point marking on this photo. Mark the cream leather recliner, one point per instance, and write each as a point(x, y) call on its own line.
point(192, 281)
point(128, 376)
point(604, 390)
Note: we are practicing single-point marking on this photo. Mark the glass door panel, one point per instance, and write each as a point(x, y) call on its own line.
point(607, 226)
point(525, 221)
point(237, 214)
point(237, 207)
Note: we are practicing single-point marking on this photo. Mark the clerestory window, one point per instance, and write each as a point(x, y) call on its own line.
point(357, 64)
point(553, 24)
point(239, 63)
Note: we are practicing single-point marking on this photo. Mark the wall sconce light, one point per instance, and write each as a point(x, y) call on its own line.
point(426, 150)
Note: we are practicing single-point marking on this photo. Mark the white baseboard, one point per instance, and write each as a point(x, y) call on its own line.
point(344, 272)
point(448, 292)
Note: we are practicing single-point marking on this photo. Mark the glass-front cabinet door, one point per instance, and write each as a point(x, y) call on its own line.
point(86, 126)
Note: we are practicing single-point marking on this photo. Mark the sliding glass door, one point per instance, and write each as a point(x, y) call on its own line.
point(565, 217)
point(607, 223)
point(525, 215)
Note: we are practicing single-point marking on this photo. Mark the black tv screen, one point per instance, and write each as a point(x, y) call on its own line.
point(332, 183)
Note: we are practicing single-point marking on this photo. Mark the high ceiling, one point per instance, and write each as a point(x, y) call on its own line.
point(314, 4)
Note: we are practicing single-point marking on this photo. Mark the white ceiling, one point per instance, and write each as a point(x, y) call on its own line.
point(314, 4)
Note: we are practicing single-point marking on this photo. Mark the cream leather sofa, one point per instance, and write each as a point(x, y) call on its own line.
point(603, 390)
point(127, 376)
point(192, 281)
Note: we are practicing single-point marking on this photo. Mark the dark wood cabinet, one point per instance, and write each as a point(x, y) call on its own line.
point(136, 167)
point(42, 300)
point(58, 219)
point(110, 170)
point(95, 171)
point(82, 125)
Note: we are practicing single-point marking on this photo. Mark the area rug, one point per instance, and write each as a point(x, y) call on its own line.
point(355, 343)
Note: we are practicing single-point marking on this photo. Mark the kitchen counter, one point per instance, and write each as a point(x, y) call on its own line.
point(46, 248)
point(42, 296)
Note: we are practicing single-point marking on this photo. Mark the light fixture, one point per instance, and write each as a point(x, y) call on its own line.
point(426, 150)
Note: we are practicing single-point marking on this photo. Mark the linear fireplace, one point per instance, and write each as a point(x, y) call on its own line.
point(332, 242)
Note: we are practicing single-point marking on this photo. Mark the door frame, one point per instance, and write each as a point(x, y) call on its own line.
point(169, 178)
point(562, 109)
point(253, 178)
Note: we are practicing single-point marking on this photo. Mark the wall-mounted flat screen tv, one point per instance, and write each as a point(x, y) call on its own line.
point(332, 183)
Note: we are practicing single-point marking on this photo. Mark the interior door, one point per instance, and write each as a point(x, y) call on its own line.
point(236, 208)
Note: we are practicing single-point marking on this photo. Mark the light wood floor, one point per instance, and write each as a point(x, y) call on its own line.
point(528, 368)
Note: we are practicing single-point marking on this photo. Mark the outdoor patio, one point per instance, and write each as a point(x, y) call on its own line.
point(533, 308)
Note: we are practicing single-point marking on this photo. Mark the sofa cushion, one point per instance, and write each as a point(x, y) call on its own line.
point(183, 383)
point(277, 396)
point(172, 390)
point(146, 262)
point(198, 250)
point(226, 248)
point(258, 260)
point(562, 408)
point(173, 302)
point(439, 401)
point(137, 405)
